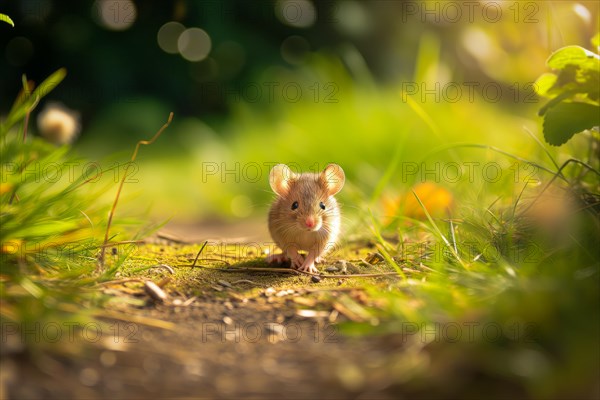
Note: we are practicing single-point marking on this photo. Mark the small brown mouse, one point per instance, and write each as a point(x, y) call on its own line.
point(305, 215)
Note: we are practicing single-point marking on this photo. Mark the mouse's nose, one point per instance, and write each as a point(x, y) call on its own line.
point(310, 222)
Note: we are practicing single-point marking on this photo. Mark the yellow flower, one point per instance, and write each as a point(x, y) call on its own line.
point(5, 188)
point(11, 246)
point(437, 200)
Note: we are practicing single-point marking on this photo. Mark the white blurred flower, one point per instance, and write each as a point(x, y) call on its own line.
point(58, 124)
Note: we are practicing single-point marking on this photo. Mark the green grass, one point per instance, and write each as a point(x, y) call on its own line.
point(53, 223)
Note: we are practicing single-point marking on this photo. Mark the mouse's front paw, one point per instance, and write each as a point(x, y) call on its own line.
point(297, 261)
point(310, 268)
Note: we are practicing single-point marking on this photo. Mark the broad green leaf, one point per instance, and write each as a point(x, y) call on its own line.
point(6, 18)
point(544, 83)
point(572, 55)
point(596, 41)
point(564, 120)
point(556, 100)
point(589, 81)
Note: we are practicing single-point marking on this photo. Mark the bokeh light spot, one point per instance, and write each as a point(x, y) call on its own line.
point(583, 12)
point(351, 18)
point(478, 43)
point(194, 44)
point(296, 13)
point(115, 15)
point(167, 36)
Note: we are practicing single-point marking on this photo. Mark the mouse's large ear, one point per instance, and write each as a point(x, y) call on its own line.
point(279, 179)
point(333, 176)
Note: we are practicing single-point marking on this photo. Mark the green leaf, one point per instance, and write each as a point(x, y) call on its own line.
point(6, 18)
point(556, 100)
point(572, 55)
point(596, 40)
point(544, 83)
point(564, 120)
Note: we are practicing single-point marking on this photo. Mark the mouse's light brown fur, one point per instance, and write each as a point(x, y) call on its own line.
point(305, 215)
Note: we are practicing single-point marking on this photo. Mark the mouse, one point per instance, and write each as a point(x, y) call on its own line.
point(305, 215)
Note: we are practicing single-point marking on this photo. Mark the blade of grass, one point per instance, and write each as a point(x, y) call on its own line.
point(21, 106)
point(487, 147)
point(26, 121)
point(383, 244)
point(421, 113)
point(544, 148)
point(453, 236)
point(438, 231)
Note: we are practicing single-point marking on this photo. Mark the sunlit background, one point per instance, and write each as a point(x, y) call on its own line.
point(360, 83)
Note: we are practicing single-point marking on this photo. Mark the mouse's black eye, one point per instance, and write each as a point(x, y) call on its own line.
point(294, 205)
point(322, 205)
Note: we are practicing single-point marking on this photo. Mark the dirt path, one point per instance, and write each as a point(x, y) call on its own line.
point(226, 348)
point(232, 335)
point(217, 348)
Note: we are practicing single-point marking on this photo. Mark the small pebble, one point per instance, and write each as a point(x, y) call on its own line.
point(333, 268)
point(281, 293)
point(114, 251)
point(177, 302)
point(228, 320)
point(154, 291)
point(269, 291)
point(315, 279)
point(224, 283)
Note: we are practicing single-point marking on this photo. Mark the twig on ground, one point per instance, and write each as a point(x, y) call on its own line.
point(120, 281)
point(198, 255)
point(171, 238)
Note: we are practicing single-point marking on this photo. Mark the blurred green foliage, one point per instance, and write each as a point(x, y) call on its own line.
point(576, 91)
point(52, 225)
